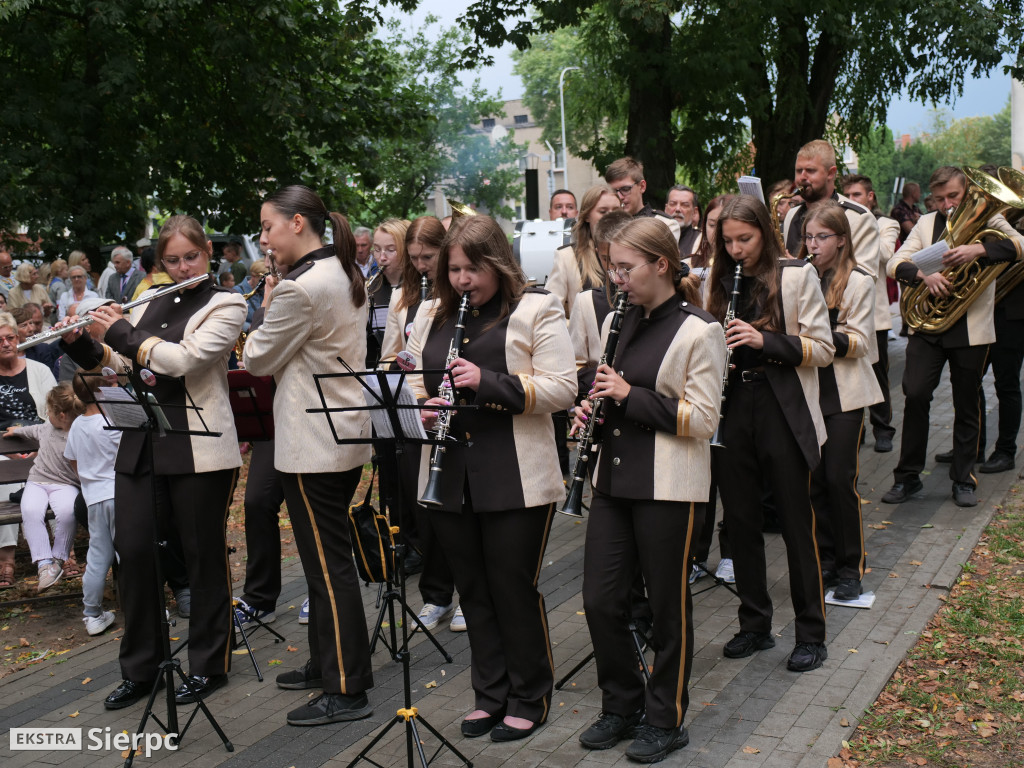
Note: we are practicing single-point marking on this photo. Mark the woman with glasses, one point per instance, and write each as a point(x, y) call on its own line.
point(185, 338)
point(846, 388)
point(389, 254)
point(650, 484)
point(577, 267)
point(516, 369)
point(309, 319)
point(773, 425)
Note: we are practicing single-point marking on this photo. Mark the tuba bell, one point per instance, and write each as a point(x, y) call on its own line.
point(984, 198)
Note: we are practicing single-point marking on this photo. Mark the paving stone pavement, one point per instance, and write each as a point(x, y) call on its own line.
point(747, 712)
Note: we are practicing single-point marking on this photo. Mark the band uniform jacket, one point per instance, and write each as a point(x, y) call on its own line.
point(186, 338)
point(790, 358)
point(863, 227)
point(526, 375)
point(588, 314)
point(649, 211)
point(976, 327)
point(888, 234)
point(565, 280)
point(655, 444)
point(849, 383)
point(689, 241)
point(310, 323)
point(397, 328)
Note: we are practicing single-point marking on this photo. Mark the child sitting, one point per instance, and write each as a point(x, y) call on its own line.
point(92, 450)
point(51, 482)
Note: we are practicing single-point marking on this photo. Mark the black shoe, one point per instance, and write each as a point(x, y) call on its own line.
point(202, 686)
point(944, 458)
point(505, 732)
point(997, 462)
point(609, 729)
point(900, 492)
point(964, 496)
point(413, 563)
point(473, 729)
point(883, 444)
point(653, 744)
point(847, 589)
point(807, 656)
point(829, 579)
point(744, 644)
point(127, 693)
point(301, 679)
point(331, 708)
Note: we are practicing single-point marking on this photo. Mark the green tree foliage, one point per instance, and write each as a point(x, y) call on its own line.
point(203, 106)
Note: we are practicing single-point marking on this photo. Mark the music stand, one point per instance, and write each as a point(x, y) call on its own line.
point(386, 402)
point(131, 412)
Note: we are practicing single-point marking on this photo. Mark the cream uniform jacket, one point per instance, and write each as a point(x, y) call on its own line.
point(863, 227)
point(888, 234)
point(565, 280)
point(310, 323)
point(849, 383)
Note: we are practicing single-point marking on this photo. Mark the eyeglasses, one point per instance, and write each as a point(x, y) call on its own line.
point(78, 277)
point(189, 258)
point(624, 191)
point(819, 239)
point(391, 250)
point(12, 340)
point(621, 275)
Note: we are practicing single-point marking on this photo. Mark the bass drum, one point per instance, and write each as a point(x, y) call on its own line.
point(534, 244)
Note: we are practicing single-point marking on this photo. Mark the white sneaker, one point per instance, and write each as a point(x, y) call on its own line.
point(95, 625)
point(430, 615)
point(458, 621)
point(304, 612)
point(698, 572)
point(725, 571)
point(49, 574)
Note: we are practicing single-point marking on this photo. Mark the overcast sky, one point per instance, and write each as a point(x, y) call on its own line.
point(984, 96)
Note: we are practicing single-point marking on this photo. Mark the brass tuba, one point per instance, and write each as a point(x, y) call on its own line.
point(1012, 275)
point(984, 197)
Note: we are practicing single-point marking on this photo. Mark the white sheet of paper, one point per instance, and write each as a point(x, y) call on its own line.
point(866, 600)
point(751, 185)
point(409, 418)
point(929, 260)
point(120, 408)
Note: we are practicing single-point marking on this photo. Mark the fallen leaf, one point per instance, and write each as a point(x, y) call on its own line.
point(922, 723)
point(844, 722)
point(87, 681)
point(752, 750)
point(973, 686)
point(877, 527)
point(915, 562)
point(853, 650)
point(580, 613)
point(986, 730)
point(274, 662)
point(239, 652)
point(24, 643)
point(292, 649)
point(835, 762)
point(927, 525)
point(74, 714)
point(431, 684)
point(887, 522)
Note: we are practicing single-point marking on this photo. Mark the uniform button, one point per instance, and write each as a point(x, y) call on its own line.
point(467, 436)
point(466, 340)
point(616, 461)
point(462, 401)
point(616, 432)
point(177, 299)
point(476, 313)
point(163, 325)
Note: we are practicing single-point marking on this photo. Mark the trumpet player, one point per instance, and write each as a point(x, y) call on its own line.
point(650, 486)
point(964, 345)
point(515, 369)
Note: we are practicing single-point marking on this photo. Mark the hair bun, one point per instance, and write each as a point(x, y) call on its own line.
point(683, 272)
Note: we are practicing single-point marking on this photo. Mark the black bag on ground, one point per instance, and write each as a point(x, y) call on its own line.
point(373, 543)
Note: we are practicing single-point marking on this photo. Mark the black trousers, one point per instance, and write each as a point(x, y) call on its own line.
point(264, 494)
point(657, 536)
point(839, 530)
point(921, 376)
point(496, 558)
point(762, 454)
point(881, 413)
point(196, 506)
point(1006, 357)
point(338, 642)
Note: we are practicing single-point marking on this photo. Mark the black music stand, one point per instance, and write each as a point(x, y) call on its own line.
point(139, 411)
point(387, 402)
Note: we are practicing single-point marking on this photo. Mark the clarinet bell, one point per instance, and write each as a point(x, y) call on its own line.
point(432, 493)
point(573, 506)
point(716, 439)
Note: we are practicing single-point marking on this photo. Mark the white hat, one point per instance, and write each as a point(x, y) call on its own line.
point(85, 306)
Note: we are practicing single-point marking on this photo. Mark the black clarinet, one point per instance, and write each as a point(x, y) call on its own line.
point(432, 493)
point(424, 287)
point(730, 314)
point(574, 501)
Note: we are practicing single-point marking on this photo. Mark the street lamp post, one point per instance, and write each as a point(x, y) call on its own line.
point(565, 151)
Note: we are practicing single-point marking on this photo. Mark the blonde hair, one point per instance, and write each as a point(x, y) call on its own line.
point(23, 273)
point(832, 217)
point(62, 399)
point(75, 258)
point(7, 319)
point(583, 241)
point(654, 241)
point(819, 149)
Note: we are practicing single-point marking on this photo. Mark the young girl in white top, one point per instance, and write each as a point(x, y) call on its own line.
point(51, 482)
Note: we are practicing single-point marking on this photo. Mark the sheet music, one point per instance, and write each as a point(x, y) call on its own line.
point(120, 408)
point(929, 260)
point(751, 185)
point(701, 272)
point(408, 418)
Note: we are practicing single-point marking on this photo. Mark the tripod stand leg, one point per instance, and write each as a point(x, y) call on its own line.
point(638, 646)
point(443, 740)
point(426, 632)
point(572, 672)
point(245, 639)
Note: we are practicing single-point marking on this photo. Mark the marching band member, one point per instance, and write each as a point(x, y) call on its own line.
point(316, 314)
point(516, 368)
point(626, 178)
point(422, 241)
point(773, 424)
point(186, 336)
point(964, 345)
point(650, 485)
point(846, 387)
point(389, 254)
point(576, 266)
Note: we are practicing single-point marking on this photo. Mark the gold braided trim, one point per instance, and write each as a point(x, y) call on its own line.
point(529, 392)
point(683, 411)
point(853, 346)
point(805, 351)
point(142, 356)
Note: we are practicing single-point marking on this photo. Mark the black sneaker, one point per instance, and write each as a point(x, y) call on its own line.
point(847, 589)
point(946, 457)
point(883, 444)
point(829, 578)
point(301, 679)
point(900, 492)
point(609, 729)
point(964, 496)
point(997, 462)
point(653, 743)
point(331, 708)
point(744, 644)
point(807, 656)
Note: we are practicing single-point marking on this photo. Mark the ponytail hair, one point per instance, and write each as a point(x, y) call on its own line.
point(297, 199)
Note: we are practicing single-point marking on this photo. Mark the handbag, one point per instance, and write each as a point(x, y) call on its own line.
point(373, 543)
